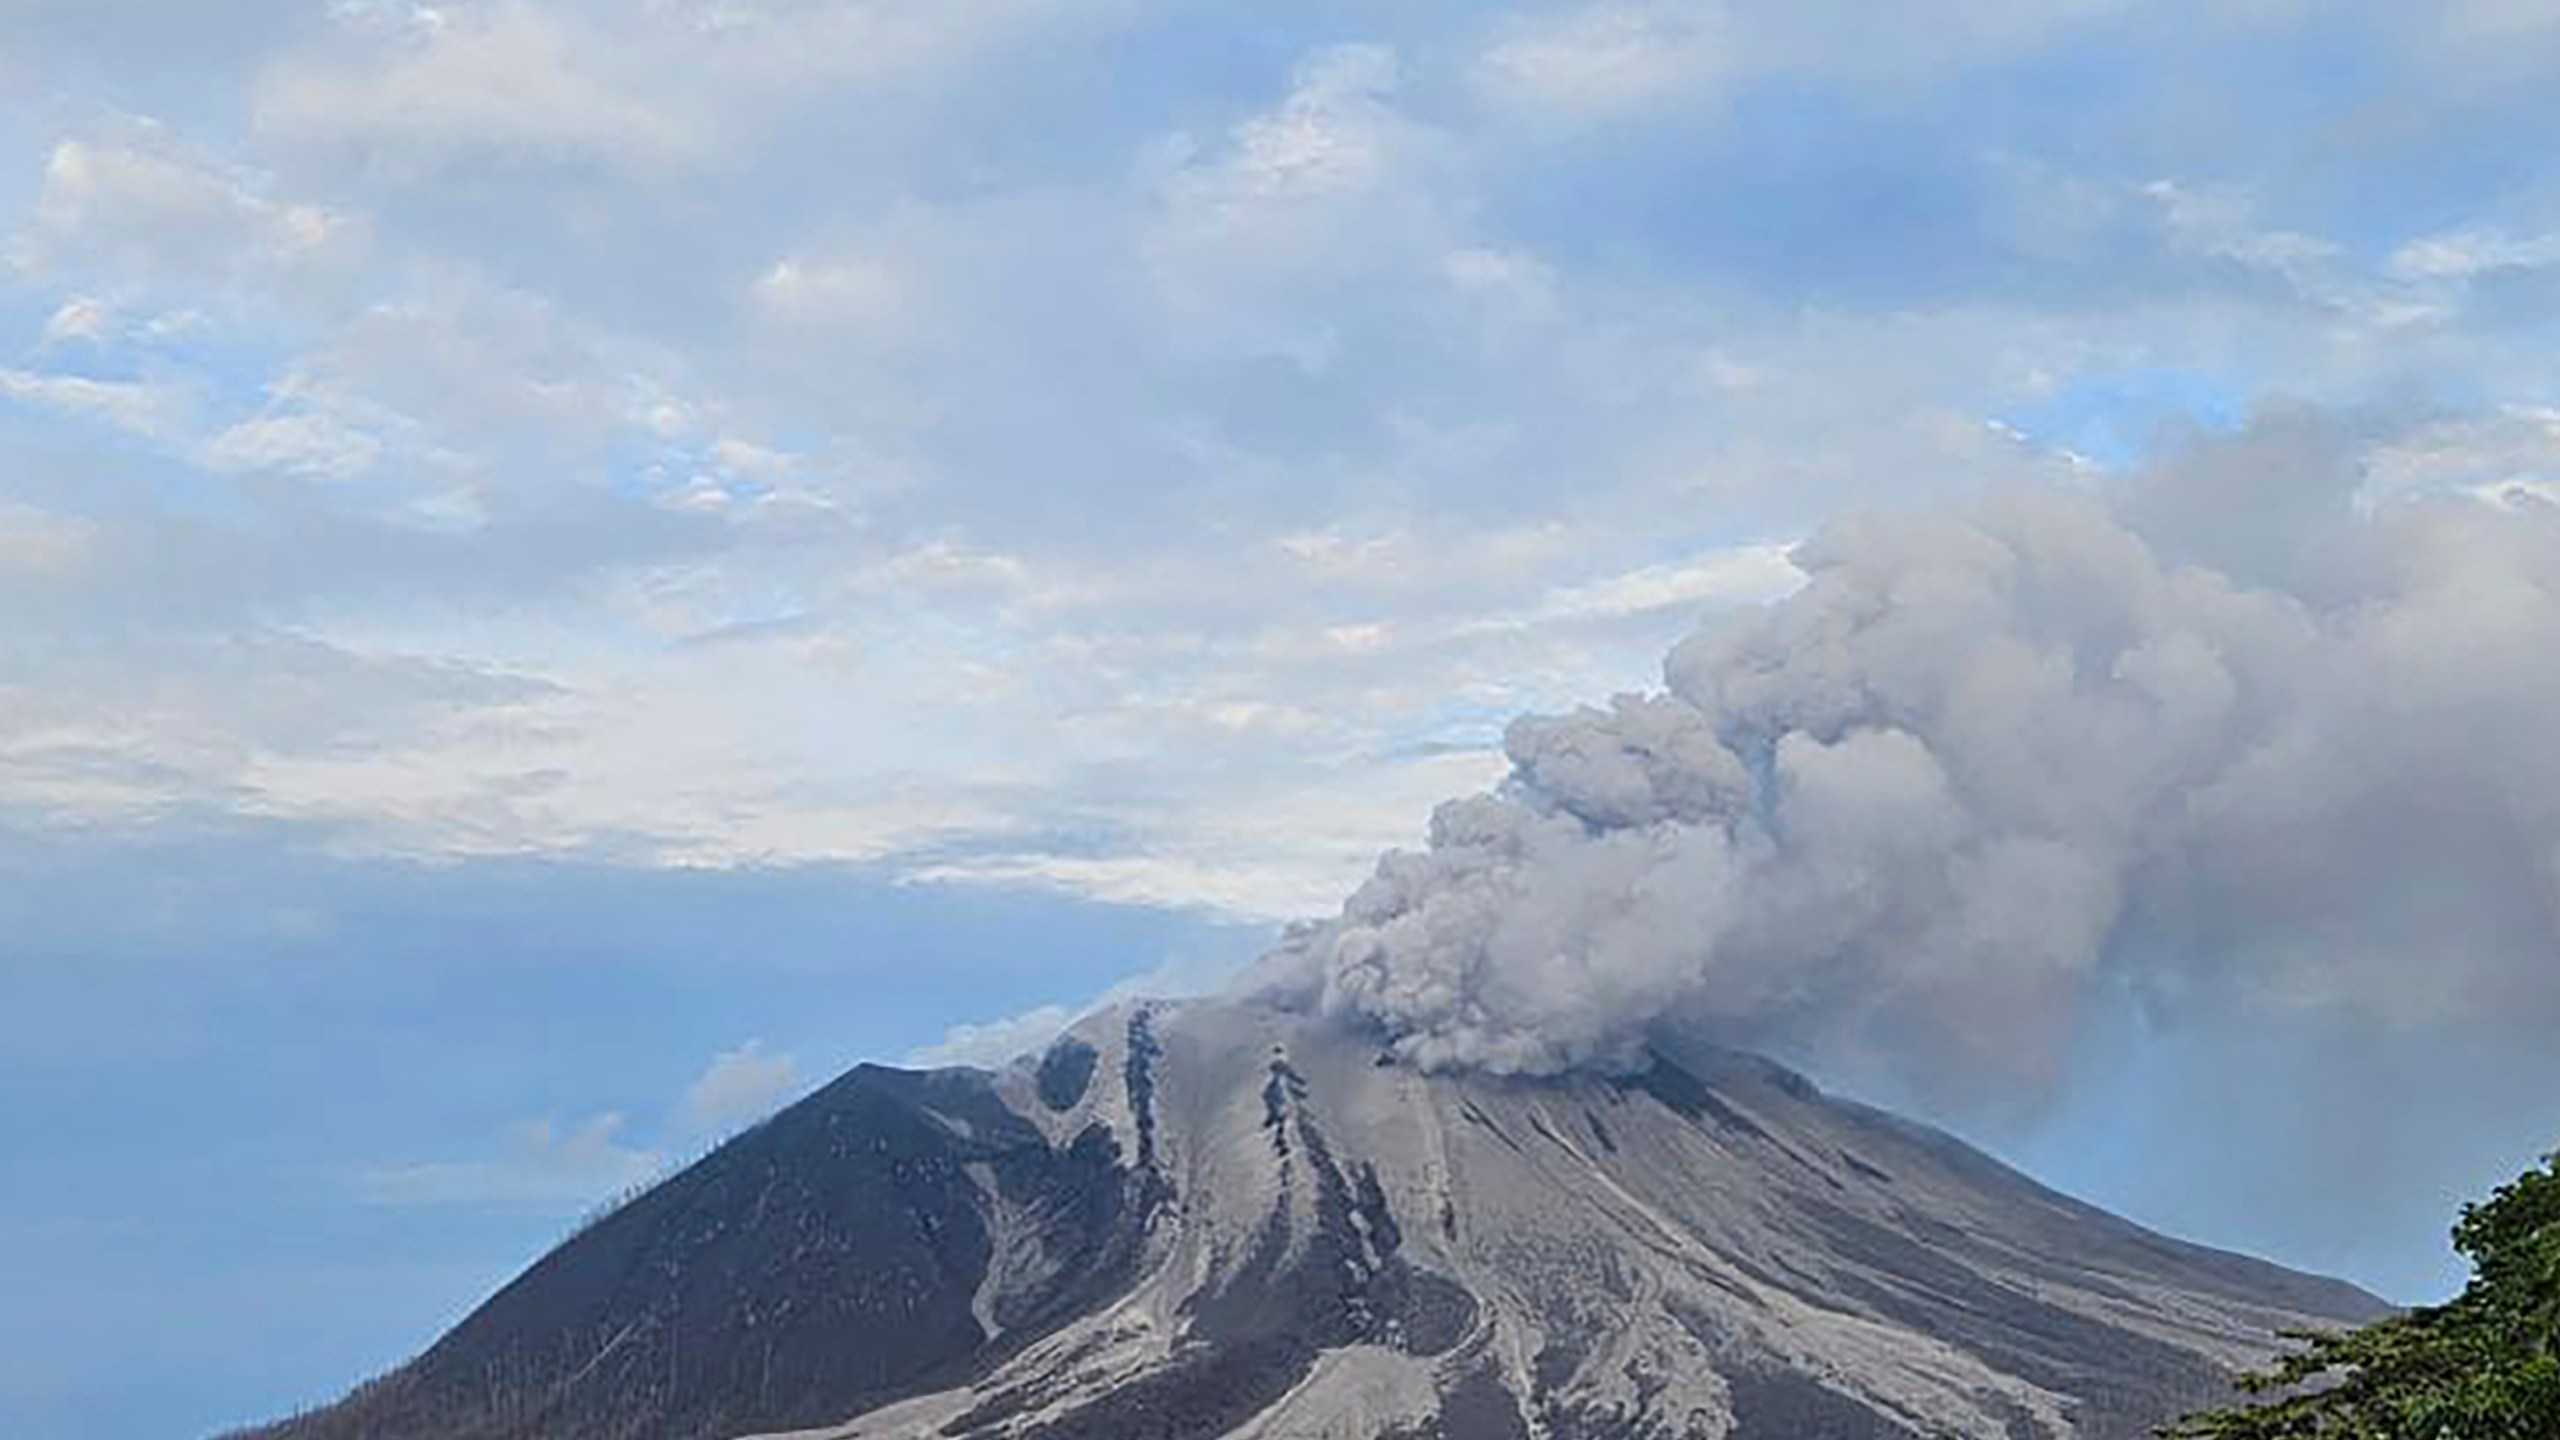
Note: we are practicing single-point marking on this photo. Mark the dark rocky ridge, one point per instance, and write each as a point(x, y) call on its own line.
point(810, 1268)
point(1219, 1220)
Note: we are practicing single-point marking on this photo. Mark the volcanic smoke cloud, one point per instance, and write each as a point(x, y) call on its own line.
point(2222, 738)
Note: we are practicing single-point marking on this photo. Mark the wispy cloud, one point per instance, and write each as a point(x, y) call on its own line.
point(541, 1166)
point(738, 1087)
point(991, 1043)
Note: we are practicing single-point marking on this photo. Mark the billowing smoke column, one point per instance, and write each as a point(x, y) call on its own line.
point(1991, 768)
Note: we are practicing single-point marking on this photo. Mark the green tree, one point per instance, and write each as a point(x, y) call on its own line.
point(2483, 1366)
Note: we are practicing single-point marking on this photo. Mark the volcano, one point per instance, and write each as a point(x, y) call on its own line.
point(1223, 1219)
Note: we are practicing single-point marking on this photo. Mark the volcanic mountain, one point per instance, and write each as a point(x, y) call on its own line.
point(1222, 1219)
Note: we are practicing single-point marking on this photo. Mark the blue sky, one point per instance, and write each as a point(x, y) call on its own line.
point(572, 567)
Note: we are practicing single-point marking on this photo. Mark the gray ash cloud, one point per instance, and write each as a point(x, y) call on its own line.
point(2233, 734)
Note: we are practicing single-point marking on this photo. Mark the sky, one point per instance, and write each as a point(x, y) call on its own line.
point(573, 566)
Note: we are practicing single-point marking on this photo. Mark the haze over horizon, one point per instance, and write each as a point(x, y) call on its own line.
point(574, 568)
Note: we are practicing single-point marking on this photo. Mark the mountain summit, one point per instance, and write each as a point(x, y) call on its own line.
point(1222, 1219)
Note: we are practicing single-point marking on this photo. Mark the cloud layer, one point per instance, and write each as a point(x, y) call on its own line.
point(1109, 444)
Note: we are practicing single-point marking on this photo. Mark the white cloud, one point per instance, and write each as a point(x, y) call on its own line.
point(1271, 845)
point(514, 78)
point(2225, 224)
point(1595, 61)
point(738, 1088)
point(41, 542)
point(1402, 557)
point(131, 730)
point(82, 317)
point(1749, 574)
point(990, 1044)
point(541, 1166)
point(409, 91)
point(305, 444)
point(838, 289)
point(994, 1042)
point(311, 443)
point(1331, 136)
point(1330, 185)
point(1605, 59)
point(140, 207)
point(2515, 449)
point(142, 408)
point(2467, 254)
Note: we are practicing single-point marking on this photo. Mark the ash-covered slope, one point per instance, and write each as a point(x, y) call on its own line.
point(1221, 1219)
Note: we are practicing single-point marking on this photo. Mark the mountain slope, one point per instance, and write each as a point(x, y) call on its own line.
point(1221, 1219)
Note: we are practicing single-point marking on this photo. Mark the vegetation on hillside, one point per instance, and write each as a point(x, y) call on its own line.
point(2483, 1366)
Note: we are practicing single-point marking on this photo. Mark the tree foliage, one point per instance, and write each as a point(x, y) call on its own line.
point(2483, 1366)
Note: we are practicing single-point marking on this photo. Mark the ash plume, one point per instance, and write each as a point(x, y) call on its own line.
point(1997, 766)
